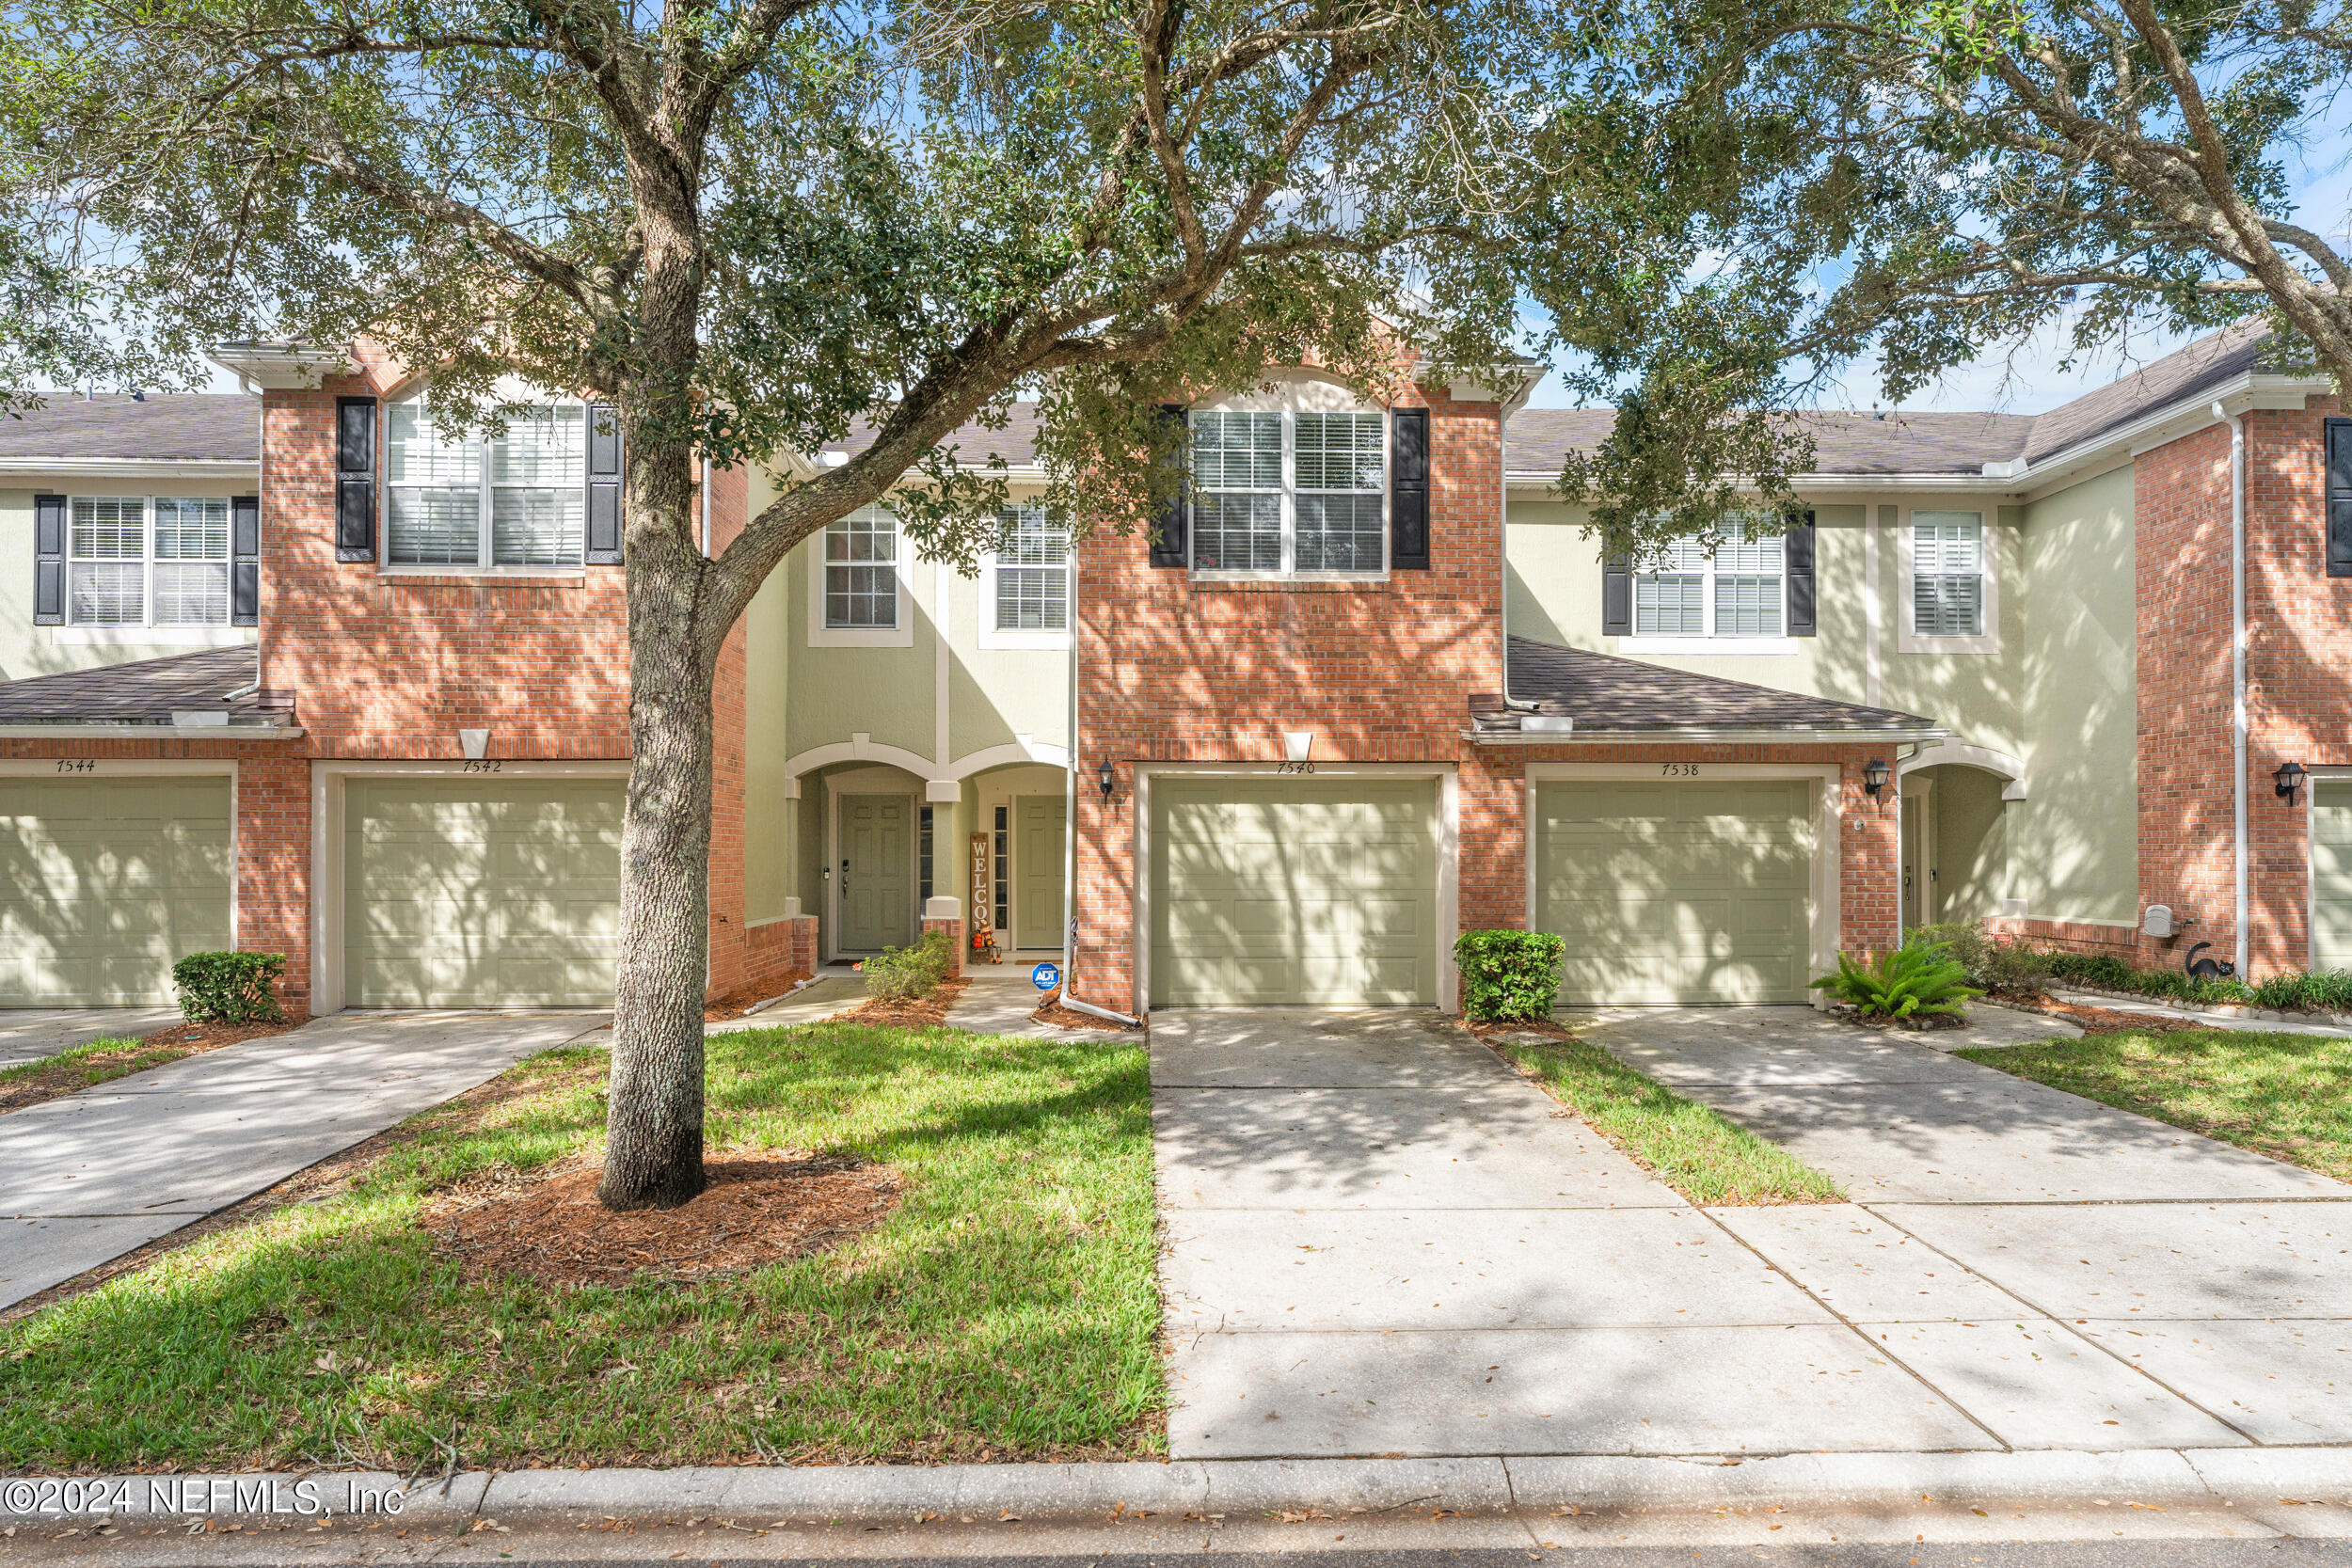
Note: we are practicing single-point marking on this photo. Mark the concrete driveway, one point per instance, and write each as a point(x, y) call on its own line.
point(1999, 1217)
point(92, 1176)
point(1380, 1240)
point(30, 1034)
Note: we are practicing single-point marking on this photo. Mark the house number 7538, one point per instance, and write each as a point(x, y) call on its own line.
point(1680, 770)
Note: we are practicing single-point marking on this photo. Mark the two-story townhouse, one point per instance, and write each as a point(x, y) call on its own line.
point(1372, 686)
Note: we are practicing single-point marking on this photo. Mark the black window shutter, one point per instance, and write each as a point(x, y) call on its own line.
point(49, 561)
point(2339, 439)
point(245, 561)
point(354, 479)
point(1409, 490)
point(1616, 597)
point(1796, 554)
point(1171, 544)
point(604, 484)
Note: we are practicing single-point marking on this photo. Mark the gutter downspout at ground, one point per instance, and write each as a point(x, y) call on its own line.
point(2237, 669)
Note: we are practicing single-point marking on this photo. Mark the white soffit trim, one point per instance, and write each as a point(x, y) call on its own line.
point(281, 367)
point(134, 467)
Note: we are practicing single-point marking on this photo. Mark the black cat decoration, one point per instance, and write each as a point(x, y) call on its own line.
point(2208, 969)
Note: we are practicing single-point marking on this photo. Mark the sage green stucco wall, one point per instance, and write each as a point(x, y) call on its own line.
point(27, 649)
point(2073, 842)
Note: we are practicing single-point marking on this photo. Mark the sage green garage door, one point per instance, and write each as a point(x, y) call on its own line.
point(1294, 890)
point(2331, 875)
point(1677, 891)
point(480, 892)
point(105, 883)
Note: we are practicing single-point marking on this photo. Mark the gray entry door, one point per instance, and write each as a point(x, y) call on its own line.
point(2331, 875)
point(877, 872)
point(1043, 818)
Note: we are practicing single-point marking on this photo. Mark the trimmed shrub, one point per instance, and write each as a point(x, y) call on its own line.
point(1993, 963)
point(229, 988)
point(904, 972)
point(1508, 976)
point(1915, 980)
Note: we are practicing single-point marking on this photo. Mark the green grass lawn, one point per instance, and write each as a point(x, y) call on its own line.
point(1691, 1147)
point(2287, 1096)
point(91, 1063)
point(1008, 1307)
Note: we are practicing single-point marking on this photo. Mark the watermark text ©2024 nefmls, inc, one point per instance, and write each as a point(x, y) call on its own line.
point(310, 1496)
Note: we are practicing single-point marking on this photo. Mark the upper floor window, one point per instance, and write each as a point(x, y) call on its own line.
point(1288, 491)
point(1734, 590)
point(516, 499)
point(1032, 572)
point(139, 560)
point(1947, 574)
point(862, 570)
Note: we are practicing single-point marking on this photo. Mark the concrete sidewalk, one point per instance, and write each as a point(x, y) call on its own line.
point(30, 1034)
point(89, 1176)
point(2065, 1271)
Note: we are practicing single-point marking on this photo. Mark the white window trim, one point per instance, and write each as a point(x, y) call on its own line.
point(984, 618)
point(1290, 408)
point(481, 567)
point(822, 636)
point(1907, 637)
point(147, 631)
point(1713, 644)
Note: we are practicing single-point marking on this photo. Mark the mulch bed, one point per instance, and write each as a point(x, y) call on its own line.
point(1051, 1011)
point(2101, 1020)
point(547, 1225)
point(1496, 1029)
point(914, 1012)
point(56, 1079)
point(1917, 1023)
point(736, 1003)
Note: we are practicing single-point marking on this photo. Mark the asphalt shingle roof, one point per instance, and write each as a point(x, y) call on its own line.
point(146, 691)
point(159, 428)
point(1607, 694)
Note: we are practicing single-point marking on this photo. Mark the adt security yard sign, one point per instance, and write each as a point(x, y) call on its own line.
point(1046, 977)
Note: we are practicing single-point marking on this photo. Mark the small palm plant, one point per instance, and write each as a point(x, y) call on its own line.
point(1919, 979)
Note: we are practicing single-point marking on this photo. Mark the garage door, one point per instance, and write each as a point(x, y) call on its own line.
point(108, 882)
point(1294, 890)
point(1677, 893)
point(2331, 875)
point(481, 894)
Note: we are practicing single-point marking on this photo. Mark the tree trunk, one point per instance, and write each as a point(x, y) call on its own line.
point(654, 1119)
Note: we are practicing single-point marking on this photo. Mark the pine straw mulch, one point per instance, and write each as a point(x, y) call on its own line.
point(38, 1081)
point(741, 999)
point(2101, 1020)
point(1051, 1011)
point(546, 1226)
point(914, 1012)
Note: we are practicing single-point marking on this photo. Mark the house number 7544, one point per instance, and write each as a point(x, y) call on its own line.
point(1680, 770)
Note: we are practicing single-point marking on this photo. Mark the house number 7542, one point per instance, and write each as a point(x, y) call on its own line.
point(1680, 770)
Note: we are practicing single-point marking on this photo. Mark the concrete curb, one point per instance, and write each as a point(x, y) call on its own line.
point(1240, 1488)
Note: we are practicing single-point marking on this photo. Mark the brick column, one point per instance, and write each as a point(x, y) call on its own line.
point(947, 914)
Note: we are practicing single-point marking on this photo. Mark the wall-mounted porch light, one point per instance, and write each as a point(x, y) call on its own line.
point(2289, 777)
point(1874, 776)
point(1103, 776)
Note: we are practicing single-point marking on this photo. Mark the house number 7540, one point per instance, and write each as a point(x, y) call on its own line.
point(1294, 768)
point(1680, 770)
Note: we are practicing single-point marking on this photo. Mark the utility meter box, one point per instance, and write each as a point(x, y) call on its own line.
point(2156, 921)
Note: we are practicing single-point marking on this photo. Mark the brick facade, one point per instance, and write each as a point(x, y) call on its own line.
point(1174, 670)
point(2299, 676)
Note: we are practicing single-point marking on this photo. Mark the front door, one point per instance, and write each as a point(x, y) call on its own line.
point(1038, 920)
point(876, 866)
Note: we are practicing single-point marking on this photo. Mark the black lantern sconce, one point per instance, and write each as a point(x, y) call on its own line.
point(1874, 776)
point(1102, 777)
point(2289, 777)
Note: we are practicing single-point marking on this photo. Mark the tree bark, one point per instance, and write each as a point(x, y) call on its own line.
point(653, 1155)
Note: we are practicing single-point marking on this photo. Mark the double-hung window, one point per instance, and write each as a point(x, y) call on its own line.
point(1733, 589)
point(1947, 574)
point(860, 588)
point(1289, 492)
point(1032, 572)
point(138, 561)
point(519, 499)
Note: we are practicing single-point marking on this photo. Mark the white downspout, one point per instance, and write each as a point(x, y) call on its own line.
point(2237, 668)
